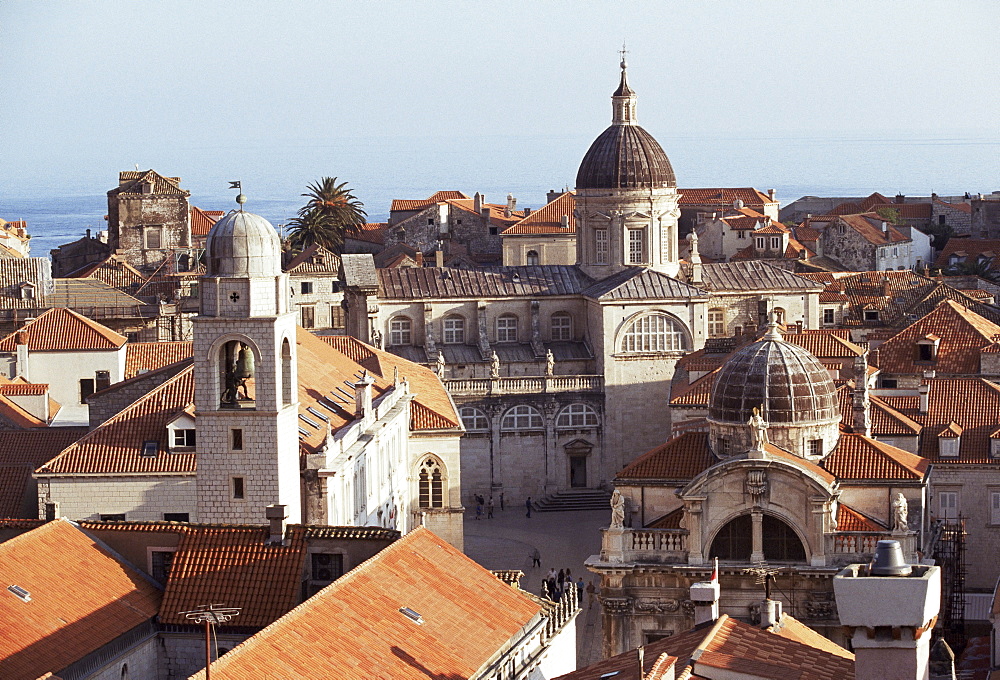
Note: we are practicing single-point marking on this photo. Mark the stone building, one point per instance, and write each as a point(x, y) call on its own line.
point(614, 324)
point(775, 478)
point(696, 204)
point(985, 222)
point(315, 286)
point(546, 236)
point(866, 242)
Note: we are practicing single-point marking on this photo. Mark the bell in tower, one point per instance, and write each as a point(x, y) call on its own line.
point(238, 371)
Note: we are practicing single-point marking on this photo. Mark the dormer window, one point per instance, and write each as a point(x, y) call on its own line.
point(995, 444)
point(927, 348)
point(948, 446)
point(27, 291)
point(183, 439)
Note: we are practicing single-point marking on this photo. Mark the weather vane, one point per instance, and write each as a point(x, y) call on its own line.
point(623, 52)
point(240, 198)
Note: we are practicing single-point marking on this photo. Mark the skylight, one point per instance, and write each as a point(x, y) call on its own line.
point(412, 615)
point(20, 592)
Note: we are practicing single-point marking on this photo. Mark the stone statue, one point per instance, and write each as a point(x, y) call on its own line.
point(758, 429)
point(377, 338)
point(440, 365)
point(495, 366)
point(617, 510)
point(899, 513)
point(550, 362)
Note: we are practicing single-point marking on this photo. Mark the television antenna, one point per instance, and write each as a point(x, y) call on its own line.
point(210, 615)
point(764, 575)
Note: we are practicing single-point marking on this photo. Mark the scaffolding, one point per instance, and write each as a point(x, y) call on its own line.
point(948, 549)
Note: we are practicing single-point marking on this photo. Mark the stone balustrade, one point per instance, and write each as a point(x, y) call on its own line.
point(644, 545)
point(526, 384)
point(846, 547)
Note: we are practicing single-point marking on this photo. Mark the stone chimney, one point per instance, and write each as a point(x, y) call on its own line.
point(276, 517)
point(511, 202)
point(439, 258)
point(21, 360)
point(527, 212)
point(770, 613)
point(771, 193)
point(888, 609)
point(705, 596)
point(419, 258)
point(363, 395)
point(924, 391)
point(477, 202)
point(695, 257)
point(552, 195)
point(862, 402)
point(900, 199)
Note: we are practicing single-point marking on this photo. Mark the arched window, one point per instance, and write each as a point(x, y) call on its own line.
point(653, 333)
point(522, 417)
point(431, 484)
point(562, 326)
point(474, 419)
point(716, 323)
point(779, 541)
point(400, 331)
point(236, 373)
point(286, 372)
point(507, 328)
point(735, 540)
point(531, 257)
point(577, 415)
point(454, 330)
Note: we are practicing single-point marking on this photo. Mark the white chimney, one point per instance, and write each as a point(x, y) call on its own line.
point(363, 395)
point(511, 202)
point(21, 362)
point(705, 596)
point(276, 516)
point(477, 202)
point(888, 608)
point(439, 258)
point(564, 222)
point(770, 613)
point(925, 397)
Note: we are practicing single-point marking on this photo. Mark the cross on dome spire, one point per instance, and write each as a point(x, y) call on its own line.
point(623, 52)
point(623, 100)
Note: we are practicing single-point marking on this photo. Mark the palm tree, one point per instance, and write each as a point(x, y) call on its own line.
point(331, 213)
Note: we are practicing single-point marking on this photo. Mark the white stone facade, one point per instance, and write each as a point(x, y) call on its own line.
point(136, 497)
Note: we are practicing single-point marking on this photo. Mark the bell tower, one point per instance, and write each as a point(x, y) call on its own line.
point(245, 376)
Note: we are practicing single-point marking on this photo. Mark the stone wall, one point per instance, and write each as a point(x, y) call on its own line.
point(139, 498)
point(975, 485)
point(985, 218)
point(184, 653)
point(142, 661)
point(130, 218)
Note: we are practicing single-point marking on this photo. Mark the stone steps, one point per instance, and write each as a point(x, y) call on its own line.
point(576, 499)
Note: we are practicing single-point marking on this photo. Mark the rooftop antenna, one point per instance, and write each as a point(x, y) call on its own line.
point(764, 575)
point(240, 198)
point(210, 615)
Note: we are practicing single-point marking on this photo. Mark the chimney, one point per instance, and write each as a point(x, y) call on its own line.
point(21, 361)
point(552, 195)
point(507, 211)
point(770, 613)
point(564, 222)
point(363, 395)
point(511, 202)
point(888, 609)
point(942, 664)
point(527, 212)
point(925, 397)
point(862, 403)
point(439, 258)
point(900, 199)
point(276, 517)
point(419, 257)
point(477, 203)
point(705, 596)
point(88, 233)
point(695, 257)
point(771, 194)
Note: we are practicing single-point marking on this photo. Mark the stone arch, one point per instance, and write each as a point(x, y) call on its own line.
point(432, 482)
point(287, 386)
point(217, 353)
point(649, 331)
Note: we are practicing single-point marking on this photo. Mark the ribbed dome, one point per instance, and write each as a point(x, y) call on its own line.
point(625, 157)
point(787, 379)
point(243, 244)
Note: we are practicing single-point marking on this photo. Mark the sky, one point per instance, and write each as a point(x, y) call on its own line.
point(90, 88)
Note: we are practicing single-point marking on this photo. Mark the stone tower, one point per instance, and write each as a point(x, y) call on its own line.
point(626, 197)
point(245, 377)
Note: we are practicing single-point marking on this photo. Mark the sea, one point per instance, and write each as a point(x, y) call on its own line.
point(61, 202)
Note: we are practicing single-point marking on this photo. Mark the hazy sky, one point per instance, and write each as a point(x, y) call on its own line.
point(136, 81)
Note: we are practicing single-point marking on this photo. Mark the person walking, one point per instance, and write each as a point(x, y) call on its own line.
point(527, 504)
point(479, 510)
point(591, 591)
point(560, 582)
point(552, 584)
point(579, 592)
point(489, 509)
point(536, 558)
point(501, 501)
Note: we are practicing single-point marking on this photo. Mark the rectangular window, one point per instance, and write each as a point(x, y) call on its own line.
point(237, 439)
point(716, 323)
point(636, 239)
point(948, 447)
point(507, 329)
point(154, 239)
point(86, 389)
point(239, 492)
point(335, 286)
point(760, 243)
point(176, 517)
point(183, 439)
point(816, 447)
point(308, 316)
point(995, 507)
point(493, 231)
point(871, 315)
point(327, 567)
point(562, 327)
point(925, 352)
point(454, 331)
point(336, 316)
point(113, 517)
point(889, 383)
point(948, 505)
point(828, 316)
point(102, 380)
point(601, 246)
point(306, 287)
point(775, 242)
point(430, 221)
point(150, 449)
point(741, 234)
point(160, 562)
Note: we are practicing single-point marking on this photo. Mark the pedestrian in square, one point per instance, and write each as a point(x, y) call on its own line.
point(501, 501)
point(536, 558)
point(591, 591)
point(579, 592)
point(489, 509)
point(527, 504)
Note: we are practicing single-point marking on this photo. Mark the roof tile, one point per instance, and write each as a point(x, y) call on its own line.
point(63, 329)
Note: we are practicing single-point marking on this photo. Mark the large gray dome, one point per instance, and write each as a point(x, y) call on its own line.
point(242, 244)
point(625, 157)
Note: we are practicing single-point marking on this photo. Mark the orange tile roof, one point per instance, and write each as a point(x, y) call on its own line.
point(825, 345)
point(963, 207)
point(116, 446)
point(697, 393)
point(202, 221)
point(21, 451)
point(82, 598)
point(354, 627)
point(314, 259)
point(131, 181)
point(404, 205)
point(63, 329)
point(547, 219)
point(723, 197)
point(372, 232)
point(112, 271)
point(969, 250)
point(869, 226)
point(860, 457)
point(682, 458)
point(498, 212)
point(962, 334)
point(142, 357)
point(885, 420)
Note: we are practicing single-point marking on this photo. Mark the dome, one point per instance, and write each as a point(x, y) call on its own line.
point(243, 244)
point(799, 398)
point(625, 157)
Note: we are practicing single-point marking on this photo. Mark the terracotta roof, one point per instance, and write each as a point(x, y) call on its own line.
point(969, 250)
point(886, 421)
point(399, 204)
point(63, 329)
point(698, 393)
point(825, 345)
point(860, 457)
point(116, 446)
point(65, 621)
point(202, 221)
point(131, 181)
point(723, 198)
point(870, 227)
point(372, 232)
point(355, 628)
point(430, 282)
point(963, 207)
point(142, 357)
point(849, 519)
point(498, 212)
point(112, 271)
point(314, 259)
point(972, 403)
point(682, 458)
point(962, 334)
point(21, 451)
point(788, 652)
point(547, 219)
point(671, 520)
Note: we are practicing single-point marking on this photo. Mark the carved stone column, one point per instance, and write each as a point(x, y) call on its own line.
point(617, 625)
point(818, 539)
point(694, 519)
point(758, 536)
